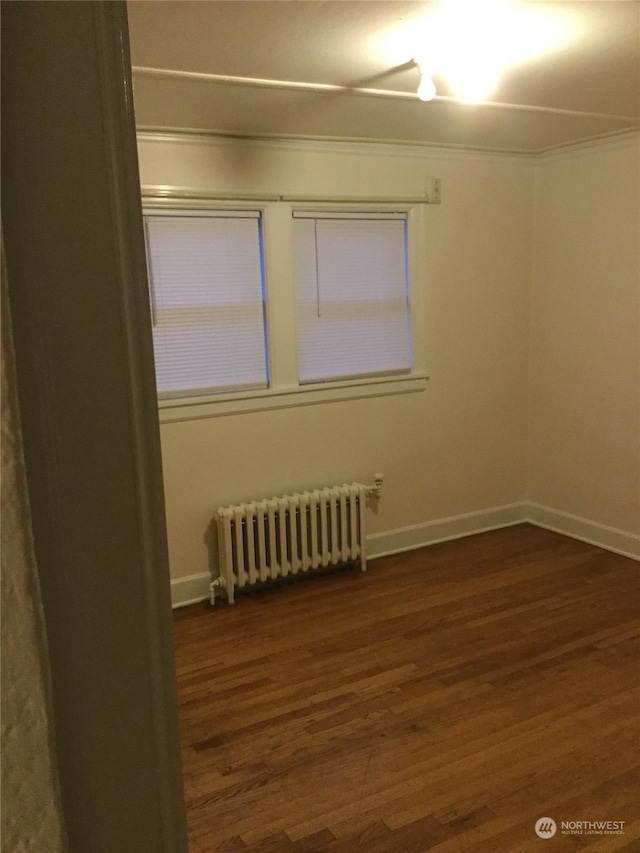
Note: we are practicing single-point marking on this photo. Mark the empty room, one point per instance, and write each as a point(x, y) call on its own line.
point(456, 692)
point(462, 179)
point(321, 426)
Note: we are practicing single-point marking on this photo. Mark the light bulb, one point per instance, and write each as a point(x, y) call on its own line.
point(427, 88)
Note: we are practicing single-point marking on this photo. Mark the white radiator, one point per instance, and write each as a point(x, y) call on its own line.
point(277, 537)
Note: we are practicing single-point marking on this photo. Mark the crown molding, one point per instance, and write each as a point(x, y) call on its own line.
point(616, 139)
point(327, 144)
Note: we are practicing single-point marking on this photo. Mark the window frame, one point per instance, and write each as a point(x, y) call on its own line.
point(284, 390)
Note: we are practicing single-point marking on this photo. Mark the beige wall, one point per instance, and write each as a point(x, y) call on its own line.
point(585, 335)
point(460, 446)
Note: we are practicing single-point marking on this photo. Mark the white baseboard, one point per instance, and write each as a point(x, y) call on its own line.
point(190, 590)
point(195, 588)
point(609, 538)
point(443, 529)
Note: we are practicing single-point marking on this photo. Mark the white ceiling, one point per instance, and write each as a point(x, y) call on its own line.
point(343, 69)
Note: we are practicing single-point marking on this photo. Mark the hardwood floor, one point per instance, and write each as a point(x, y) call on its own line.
point(444, 700)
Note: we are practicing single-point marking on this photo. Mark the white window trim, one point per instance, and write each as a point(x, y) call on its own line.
point(284, 390)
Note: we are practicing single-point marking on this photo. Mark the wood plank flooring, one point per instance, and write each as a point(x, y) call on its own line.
point(444, 700)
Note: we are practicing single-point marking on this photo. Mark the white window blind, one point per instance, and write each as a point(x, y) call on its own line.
point(207, 300)
point(352, 309)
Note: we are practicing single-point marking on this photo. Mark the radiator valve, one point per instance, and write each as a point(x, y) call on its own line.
point(218, 582)
point(375, 491)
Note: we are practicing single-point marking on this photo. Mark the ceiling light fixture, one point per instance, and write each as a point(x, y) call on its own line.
point(471, 44)
point(427, 88)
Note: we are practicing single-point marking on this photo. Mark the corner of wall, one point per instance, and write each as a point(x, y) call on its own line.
point(533, 209)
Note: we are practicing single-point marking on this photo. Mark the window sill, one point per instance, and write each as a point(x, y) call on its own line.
point(218, 405)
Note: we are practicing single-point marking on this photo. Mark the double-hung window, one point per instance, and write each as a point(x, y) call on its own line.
point(352, 300)
point(207, 301)
point(282, 304)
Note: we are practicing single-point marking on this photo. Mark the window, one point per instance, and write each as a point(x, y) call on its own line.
point(207, 301)
point(352, 309)
point(279, 304)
